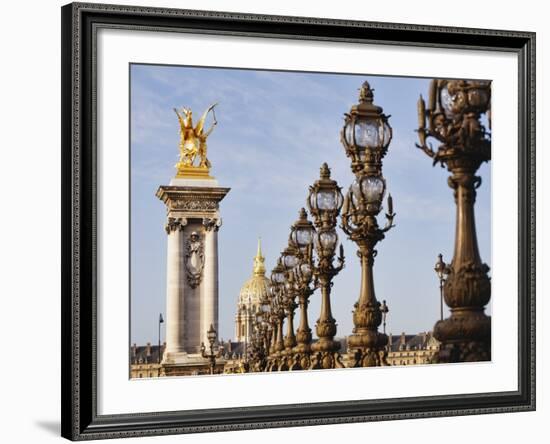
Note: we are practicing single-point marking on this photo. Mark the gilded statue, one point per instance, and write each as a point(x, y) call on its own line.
point(193, 139)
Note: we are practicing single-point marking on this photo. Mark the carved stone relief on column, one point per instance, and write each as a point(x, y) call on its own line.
point(194, 205)
point(194, 259)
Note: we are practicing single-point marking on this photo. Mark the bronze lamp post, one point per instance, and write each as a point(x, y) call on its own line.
point(212, 335)
point(324, 202)
point(270, 337)
point(453, 119)
point(277, 287)
point(366, 136)
point(289, 260)
point(265, 310)
point(273, 320)
point(301, 238)
point(260, 346)
point(384, 310)
point(442, 271)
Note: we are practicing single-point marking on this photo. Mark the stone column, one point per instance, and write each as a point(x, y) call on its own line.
point(192, 269)
point(209, 293)
point(175, 286)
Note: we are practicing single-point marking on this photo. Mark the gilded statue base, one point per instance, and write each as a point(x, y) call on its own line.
point(192, 172)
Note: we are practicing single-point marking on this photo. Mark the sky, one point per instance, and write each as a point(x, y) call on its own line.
point(275, 129)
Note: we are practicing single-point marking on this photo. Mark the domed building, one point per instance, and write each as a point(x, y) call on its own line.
point(252, 293)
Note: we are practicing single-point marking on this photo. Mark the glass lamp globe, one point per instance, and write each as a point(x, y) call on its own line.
point(461, 96)
point(373, 188)
point(328, 239)
point(367, 133)
point(211, 334)
point(301, 235)
point(305, 270)
point(452, 102)
point(304, 236)
point(440, 267)
point(277, 276)
point(370, 189)
point(325, 198)
point(289, 259)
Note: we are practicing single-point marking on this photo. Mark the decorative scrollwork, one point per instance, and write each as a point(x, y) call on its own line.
point(194, 205)
point(468, 286)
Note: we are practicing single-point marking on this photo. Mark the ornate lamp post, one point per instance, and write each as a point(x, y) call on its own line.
point(289, 260)
point(277, 287)
point(272, 335)
point(442, 271)
point(265, 309)
point(212, 335)
point(256, 352)
point(366, 136)
point(324, 202)
point(260, 346)
point(161, 321)
point(453, 119)
point(301, 237)
point(384, 309)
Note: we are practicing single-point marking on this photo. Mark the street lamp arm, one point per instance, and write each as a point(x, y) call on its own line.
point(203, 351)
point(427, 148)
point(436, 156)
point(389, 222)
point(341, 260)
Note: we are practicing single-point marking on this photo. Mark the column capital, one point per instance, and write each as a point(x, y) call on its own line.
point(212, 223)
point(175, 224)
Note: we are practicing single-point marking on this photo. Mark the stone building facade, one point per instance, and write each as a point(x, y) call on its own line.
point(145, 361)
point(411, 349)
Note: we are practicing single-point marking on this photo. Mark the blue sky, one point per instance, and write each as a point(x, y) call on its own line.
point(274, 131)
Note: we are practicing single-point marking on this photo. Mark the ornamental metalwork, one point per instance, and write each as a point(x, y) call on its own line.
point(453, 118)
point(324, 202)
point(366, 136)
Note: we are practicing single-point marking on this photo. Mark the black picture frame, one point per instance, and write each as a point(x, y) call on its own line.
point(79, 211)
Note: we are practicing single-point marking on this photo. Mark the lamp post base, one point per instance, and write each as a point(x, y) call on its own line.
point(465, 336)
point(368, 348)
point(301, 357)
point(325, 355)
point(286, 360)
point(326, 360)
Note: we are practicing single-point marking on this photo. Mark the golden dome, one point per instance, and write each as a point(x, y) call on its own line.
point(257, 287)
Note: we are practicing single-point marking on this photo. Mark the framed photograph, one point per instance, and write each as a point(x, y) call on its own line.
point(276, 221)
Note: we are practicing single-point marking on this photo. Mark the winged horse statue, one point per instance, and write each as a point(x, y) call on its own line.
point(193, 140)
